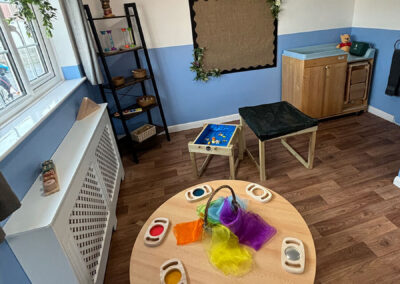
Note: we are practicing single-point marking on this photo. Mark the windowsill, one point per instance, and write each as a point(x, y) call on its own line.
point(15, 131)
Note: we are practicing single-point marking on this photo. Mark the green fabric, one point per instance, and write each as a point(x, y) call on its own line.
point(273, 120)
point(359, 48)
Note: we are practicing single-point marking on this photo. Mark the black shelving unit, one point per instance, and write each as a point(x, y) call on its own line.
point(128, 81)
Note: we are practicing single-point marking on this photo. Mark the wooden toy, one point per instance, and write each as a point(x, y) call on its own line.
point(198, 193)
point(216, 139)
point(87, 107)
point(173, 272)
point(49, 177)
point(129, 111)
point(156, 232)
point(254, 190)
point(292, 255)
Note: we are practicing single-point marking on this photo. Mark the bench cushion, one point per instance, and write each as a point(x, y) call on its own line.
point(274, 120)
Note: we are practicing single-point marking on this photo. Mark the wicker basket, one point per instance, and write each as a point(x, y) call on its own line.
point(139, 73)
point(144, 132)
point(145, 101)
point(118, 81)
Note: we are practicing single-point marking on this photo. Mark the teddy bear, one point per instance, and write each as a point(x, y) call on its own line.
point(346, 43)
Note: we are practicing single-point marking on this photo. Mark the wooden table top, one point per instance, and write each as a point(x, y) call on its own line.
point(146, 261)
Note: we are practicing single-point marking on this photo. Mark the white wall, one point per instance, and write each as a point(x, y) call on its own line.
point(167, 22)
point(377, 14)
point(310, 15)
point(61, 41)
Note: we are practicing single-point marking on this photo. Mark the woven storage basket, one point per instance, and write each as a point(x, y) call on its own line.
point(144, 132)
point(145, 101)
point(139, 73)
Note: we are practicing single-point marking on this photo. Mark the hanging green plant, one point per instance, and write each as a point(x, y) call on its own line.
point(197, 66)
point(275, 7)
point(26, 13)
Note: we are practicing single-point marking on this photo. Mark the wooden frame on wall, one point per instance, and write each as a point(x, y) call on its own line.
point(232, 29)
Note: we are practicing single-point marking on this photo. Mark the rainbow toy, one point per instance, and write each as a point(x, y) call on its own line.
point(259, 192)
point(198, 193)
point(156, 232)
point(173, 272)
point(292, 255)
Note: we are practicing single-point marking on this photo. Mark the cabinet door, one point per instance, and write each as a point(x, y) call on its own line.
point(313, 91)
point(335, 82)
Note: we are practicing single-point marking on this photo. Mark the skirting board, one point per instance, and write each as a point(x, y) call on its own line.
point(200, 123)
point(381, 114)
point(396, 181)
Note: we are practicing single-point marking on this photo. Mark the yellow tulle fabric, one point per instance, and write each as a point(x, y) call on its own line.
point(226, 254)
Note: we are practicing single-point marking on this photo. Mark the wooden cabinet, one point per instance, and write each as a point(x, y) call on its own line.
point(324, 87)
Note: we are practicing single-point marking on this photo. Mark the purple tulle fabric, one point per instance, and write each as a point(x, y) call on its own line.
point(250, 228)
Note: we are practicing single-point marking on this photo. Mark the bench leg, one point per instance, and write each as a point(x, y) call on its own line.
point(261, 149)
point(242, 139)
point(232, 166)
point(194, 165)
point(311, 149)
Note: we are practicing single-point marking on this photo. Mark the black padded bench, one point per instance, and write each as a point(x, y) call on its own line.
point(277, 121)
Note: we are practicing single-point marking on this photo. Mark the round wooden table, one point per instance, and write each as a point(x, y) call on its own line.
point(146, 261)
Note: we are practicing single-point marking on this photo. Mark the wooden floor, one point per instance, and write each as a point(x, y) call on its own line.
point(348, 199)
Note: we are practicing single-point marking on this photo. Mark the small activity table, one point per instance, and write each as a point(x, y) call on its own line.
point(216, 139)
point(146, 261)
point(277, 121)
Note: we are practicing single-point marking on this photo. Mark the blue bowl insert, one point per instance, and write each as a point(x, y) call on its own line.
point(222, 133)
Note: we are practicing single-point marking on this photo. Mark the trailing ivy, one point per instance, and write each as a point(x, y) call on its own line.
point(26, 13)
point(275, 7)
point(197, 66)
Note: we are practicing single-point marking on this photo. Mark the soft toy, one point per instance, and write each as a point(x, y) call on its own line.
point(345, 45)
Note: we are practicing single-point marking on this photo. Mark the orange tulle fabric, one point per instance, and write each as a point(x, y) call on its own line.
point(189, 232)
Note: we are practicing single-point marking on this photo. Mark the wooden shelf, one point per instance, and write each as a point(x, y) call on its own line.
point(129, 81)
point(144, 109)
point(112, 53)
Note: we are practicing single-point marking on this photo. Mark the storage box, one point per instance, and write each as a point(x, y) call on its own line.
point(144, 132)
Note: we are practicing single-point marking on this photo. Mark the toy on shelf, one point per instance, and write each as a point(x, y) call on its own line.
point(345, 44)
point(292, 255)
point(111, 41)
point(173, 272)
point(105, 43)
point(126, 38)
point(132, 42)
point(50, 178)
point(258, 192)
point(198, 193)
point(129, 111)
point(156, 232)
point(87, 107)
point(139, 73)
point(145, 101)
point(106, 8)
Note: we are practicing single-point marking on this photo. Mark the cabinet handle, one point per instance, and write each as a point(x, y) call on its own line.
point(326, 67)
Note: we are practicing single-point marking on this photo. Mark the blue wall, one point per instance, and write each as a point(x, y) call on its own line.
point(185, 100)
point(21, 167)
point(383, 41)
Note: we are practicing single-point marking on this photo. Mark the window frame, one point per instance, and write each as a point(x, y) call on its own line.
point(35, 90)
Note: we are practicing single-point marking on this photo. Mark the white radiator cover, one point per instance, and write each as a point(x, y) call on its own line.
point(65, 237)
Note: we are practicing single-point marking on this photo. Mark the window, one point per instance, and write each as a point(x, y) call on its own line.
point(27, 67)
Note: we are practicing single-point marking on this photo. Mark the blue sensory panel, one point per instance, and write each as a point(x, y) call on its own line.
point(216, 135)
